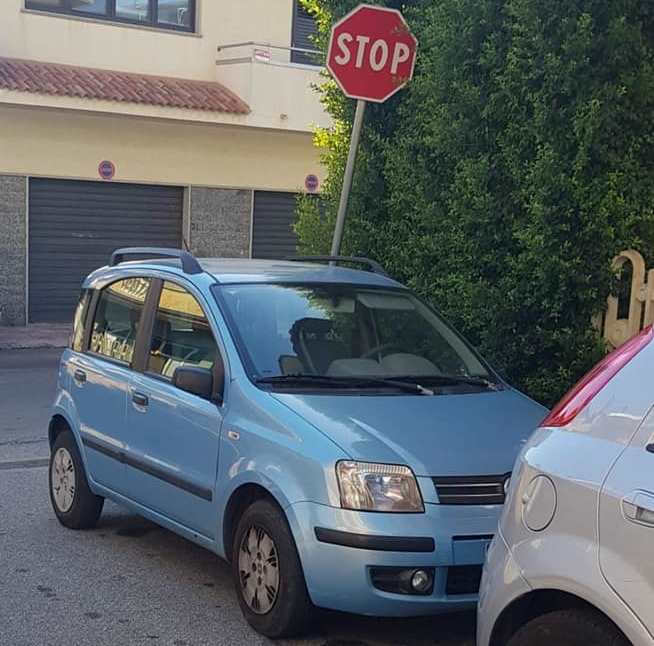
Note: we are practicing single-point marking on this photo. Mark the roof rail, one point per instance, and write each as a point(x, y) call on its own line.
point(372, 265)
point(189, 264)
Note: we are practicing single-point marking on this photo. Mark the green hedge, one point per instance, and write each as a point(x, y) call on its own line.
point(502, 181)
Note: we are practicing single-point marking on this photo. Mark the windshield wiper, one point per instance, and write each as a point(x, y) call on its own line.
point(347, 382)
point(450, 379)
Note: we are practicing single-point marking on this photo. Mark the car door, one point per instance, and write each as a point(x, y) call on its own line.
point(174, 435)
point(627, 524)
point(100, 375)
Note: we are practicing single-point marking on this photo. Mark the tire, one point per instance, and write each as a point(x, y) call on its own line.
point(74, 504)
point(574, 627)
point(285, 611)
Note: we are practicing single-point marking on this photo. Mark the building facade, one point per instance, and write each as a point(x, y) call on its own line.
point(158, 122)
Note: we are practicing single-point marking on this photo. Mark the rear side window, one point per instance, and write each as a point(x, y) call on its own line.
point(117, 318)
point(79, 321)
point(181, 335)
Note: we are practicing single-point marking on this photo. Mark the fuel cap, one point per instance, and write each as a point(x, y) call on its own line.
point(539, 503)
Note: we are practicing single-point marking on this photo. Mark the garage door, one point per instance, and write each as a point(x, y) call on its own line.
point(74, 226)
point(272, 229)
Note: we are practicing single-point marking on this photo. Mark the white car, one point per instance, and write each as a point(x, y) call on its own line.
point(573, 561)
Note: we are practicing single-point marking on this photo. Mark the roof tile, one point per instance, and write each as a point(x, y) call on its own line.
point(110, 85)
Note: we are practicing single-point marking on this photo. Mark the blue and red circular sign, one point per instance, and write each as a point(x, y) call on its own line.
point(312, 183)
point(107, 169)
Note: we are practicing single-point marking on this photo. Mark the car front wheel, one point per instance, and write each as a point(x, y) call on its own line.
point(267, 573)
point(74, 504)
point(572, 627)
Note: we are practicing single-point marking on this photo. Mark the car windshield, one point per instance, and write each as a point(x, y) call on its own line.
point(343, 331)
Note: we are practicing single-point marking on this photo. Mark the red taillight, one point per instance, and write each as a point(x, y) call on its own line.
point(583, 392)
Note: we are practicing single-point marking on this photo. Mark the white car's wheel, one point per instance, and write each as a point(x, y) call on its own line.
point(573, 627)
point(74, 504)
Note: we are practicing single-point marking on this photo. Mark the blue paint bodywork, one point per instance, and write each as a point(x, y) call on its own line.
point(289, 444)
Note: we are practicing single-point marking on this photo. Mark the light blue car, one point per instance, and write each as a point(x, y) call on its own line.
point(318, 426)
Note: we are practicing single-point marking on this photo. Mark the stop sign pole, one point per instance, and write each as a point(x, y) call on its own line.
point(347, 178)
point(372, 55)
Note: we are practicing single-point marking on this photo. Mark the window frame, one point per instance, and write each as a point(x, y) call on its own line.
point(93, 311)
point(143, 344)
point(85, 302)
point(110, 16)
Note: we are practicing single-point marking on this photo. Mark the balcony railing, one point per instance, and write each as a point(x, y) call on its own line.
point(276, 81)
point(268, 53)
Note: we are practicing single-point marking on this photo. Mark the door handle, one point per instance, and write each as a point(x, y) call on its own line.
point(639, 507)
point(140, 399)
point(79, 376)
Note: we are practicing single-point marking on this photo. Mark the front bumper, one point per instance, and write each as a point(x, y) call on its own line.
point(501, 584)
point(338, 575)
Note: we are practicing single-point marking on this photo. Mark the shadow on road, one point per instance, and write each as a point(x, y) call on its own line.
point(331, 628)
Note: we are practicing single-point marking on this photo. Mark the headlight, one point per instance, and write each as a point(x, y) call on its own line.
point(366, 486)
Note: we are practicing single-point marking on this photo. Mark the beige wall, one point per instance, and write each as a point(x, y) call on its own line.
point(280, 95)
point(66, 144)
point(26, 34)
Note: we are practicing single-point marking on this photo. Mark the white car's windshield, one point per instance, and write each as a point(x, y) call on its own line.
point(343, 331)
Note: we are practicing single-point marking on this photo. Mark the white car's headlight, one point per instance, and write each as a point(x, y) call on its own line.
point(366, 486)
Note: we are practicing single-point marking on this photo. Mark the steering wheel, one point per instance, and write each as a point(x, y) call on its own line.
point(378, 350)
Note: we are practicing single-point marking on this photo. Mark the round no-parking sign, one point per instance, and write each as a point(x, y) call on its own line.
point(312, 183)
point(106, 169)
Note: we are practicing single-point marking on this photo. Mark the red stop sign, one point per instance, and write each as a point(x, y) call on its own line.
point(372, 53)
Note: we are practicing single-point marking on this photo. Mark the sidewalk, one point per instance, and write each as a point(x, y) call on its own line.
point(37, 335)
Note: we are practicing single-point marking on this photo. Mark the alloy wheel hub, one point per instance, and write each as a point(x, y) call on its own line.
point(62, 476)
point(258, 567)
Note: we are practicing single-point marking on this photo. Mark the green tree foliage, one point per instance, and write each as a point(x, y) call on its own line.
point(502, 181)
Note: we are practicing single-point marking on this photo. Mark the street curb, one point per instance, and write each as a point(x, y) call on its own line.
point(19, 346)
point(34, 336)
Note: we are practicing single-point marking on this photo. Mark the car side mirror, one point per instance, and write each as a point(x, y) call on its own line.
point(197, 381)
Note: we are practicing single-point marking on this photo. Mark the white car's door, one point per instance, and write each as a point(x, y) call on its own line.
point(626, 524)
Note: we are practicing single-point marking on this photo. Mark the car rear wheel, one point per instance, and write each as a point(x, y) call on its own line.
point(569, 628)
point(74, 504)
point(267, 573)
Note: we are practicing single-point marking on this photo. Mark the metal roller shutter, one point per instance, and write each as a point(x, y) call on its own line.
point(272, 229)
point(74, 226)
point(304, 27)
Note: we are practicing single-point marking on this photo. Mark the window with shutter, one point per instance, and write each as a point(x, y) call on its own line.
point(304, 28)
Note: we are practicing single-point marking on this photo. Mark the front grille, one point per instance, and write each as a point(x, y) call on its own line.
point(471, 490)
point(463, 579)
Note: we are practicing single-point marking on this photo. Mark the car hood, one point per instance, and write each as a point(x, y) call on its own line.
point(466, 434)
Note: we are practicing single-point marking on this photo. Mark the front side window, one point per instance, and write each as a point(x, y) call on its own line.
point(117, 319)
point(181, 335)
point(343, 331)
point(167, 14)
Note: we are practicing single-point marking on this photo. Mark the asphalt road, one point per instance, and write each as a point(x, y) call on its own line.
point(127, 582)
point(27, 386)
